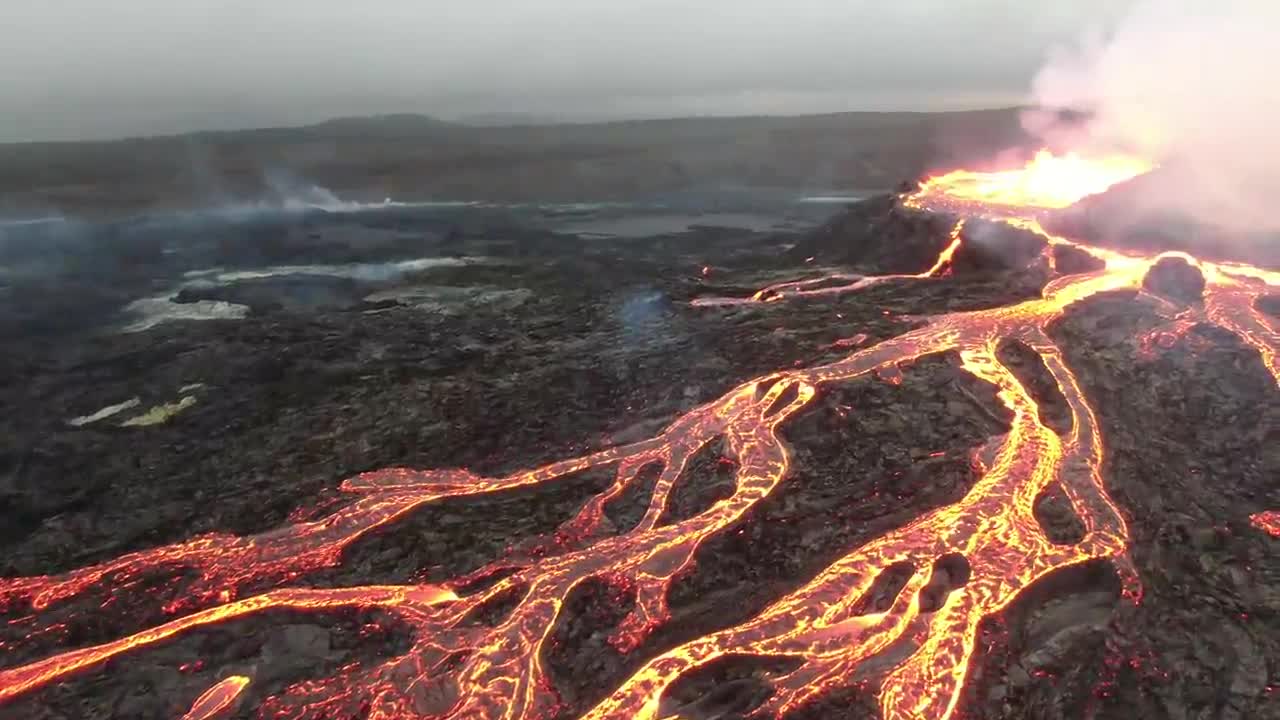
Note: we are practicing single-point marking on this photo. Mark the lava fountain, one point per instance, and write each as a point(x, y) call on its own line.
point(1046, 182)
point(968, 560)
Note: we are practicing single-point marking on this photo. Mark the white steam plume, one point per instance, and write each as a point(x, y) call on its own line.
point(1190, 84)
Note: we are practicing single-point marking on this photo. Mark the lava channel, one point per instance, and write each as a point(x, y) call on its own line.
point(988, 547)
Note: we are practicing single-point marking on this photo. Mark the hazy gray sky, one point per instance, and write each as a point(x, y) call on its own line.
point(89, 68)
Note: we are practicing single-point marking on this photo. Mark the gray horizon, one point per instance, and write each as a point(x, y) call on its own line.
point(79, 69)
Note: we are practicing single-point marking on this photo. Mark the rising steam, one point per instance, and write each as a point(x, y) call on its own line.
point(1188, 84)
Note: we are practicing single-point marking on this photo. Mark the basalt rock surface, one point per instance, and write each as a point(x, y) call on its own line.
point(444, 367)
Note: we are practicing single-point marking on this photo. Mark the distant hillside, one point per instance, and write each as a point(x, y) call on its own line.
point(506, 119)
point(420, 157)
point(406, 124)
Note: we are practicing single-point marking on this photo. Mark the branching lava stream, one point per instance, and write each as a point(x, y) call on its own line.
point(980, 552)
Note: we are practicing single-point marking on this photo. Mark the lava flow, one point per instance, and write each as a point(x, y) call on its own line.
point(218, 699)
point(1048, 181)
point(969, 560)
point(840, 282)
point(1268, 522)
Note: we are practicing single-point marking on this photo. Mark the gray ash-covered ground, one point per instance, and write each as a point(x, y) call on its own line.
point(527, 346)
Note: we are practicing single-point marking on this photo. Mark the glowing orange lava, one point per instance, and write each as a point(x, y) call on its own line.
point(1268, 522)
point(218, 699)
point(840, 283)
point(1047, 181)
point(458, 668)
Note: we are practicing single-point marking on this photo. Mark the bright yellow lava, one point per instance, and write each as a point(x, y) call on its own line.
point(1048, 181)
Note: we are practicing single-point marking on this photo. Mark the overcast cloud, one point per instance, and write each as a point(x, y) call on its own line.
point(88, 68)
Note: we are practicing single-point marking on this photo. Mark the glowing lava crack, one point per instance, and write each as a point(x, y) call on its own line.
point(497, 671)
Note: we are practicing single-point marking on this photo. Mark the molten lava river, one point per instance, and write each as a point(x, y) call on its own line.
point(496, 670)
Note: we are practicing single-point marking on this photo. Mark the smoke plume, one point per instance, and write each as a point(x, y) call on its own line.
point(1189, 84)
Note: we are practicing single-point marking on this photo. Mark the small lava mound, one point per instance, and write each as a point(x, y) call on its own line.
point(1068, 260)
point(1269, 304)
point(880, 235)
point(883, 236)
point(1175, 279)
point(990, 246)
